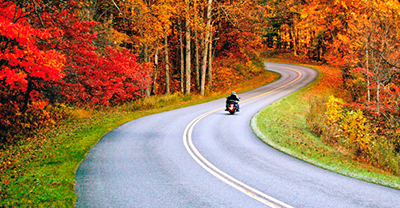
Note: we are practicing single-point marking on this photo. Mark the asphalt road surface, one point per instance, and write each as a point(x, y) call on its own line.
point(200, 156)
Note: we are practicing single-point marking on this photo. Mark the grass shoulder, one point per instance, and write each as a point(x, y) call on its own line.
point(291, 134)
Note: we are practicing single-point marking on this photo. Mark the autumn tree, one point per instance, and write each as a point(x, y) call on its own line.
point(374, 52)
point(29, 65)
point(282, 30)
point(147, 24)
point(361, 39)
point(48, 55)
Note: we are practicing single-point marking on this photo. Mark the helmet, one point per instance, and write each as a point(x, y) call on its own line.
point(233, 93)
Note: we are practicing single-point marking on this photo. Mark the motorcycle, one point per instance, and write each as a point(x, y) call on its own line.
point(232, 106)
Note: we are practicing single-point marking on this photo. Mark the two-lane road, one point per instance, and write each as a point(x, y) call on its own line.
point(201, 156)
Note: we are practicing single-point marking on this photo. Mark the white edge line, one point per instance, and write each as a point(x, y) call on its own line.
point(199, 158)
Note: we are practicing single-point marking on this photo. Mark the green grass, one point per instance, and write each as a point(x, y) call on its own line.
point(290, 133)
point(40, 171)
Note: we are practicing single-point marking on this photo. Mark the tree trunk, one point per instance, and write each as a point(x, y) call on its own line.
point(203, 66)
point(210, 61)
point(167, 81)
point(196, 61)
point(196, 55)
point(204, 52)
point(188, 40)
point(147, 60)
point(294, 38)
point(182, 56)
point(377, 95)
point(146, 53)
point(153, 89)
point(368, 78)
point(29, 89)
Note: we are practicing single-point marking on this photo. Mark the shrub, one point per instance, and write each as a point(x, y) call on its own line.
point(350, 129)
point(383, 155)
point(347, 128)
point(355, 133)
point(332, 120)
point(16, 124)
point(316, 113)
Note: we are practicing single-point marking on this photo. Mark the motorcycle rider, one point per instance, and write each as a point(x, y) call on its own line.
point(233, 97)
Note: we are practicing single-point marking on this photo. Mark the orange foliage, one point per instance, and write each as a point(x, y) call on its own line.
point(331, 82)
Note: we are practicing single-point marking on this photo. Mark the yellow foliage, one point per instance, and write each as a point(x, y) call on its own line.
point(349, 127)
point(334, 110)
point(333, 117)
point(356, 133)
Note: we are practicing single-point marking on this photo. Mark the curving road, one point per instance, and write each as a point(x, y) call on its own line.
point(200, 156)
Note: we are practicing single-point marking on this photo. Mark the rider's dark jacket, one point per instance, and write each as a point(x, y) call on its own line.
point(232, 97)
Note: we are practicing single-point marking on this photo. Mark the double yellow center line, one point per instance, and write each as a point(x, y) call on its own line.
point(203, 162)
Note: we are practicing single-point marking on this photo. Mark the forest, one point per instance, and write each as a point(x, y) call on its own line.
point(100, 53)
point(96, 53)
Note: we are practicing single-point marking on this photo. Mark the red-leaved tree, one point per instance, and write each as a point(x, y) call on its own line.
point(48, 55)
point(26, 69)
point(114, 78)
point(94, 78)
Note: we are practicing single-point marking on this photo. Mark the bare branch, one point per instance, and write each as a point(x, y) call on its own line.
point(384, 59)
